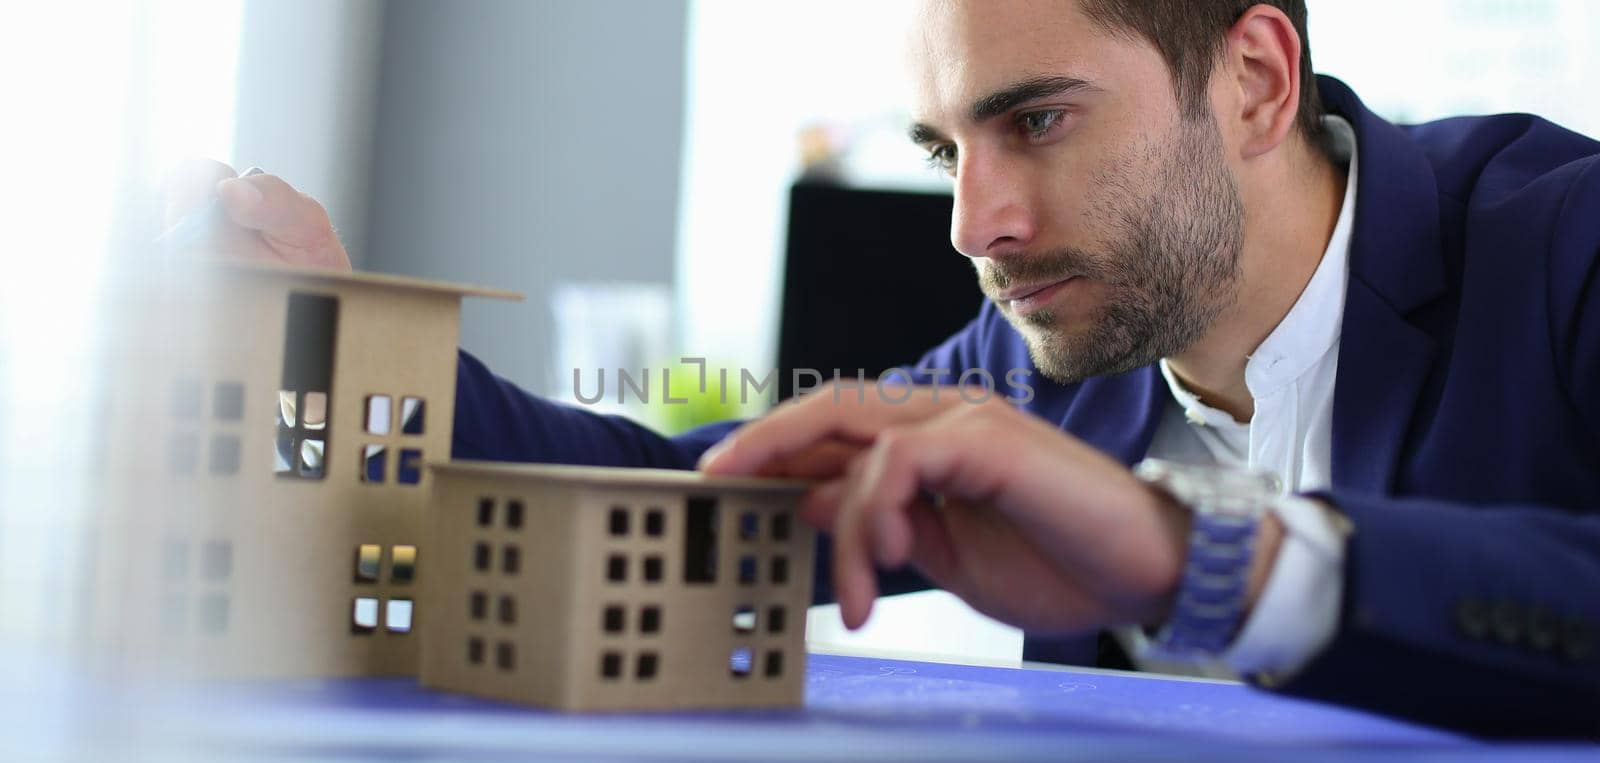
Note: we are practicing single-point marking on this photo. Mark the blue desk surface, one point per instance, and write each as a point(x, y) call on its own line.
point(856, 709)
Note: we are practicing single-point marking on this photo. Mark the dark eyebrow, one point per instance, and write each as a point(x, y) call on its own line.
point(1018, 93)
point(1004, 100)
point(921, 134)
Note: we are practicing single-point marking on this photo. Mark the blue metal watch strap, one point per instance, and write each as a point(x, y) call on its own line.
point(1227, 505)
point(1211, 594)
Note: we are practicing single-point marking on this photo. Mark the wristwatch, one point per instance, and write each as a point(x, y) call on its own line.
point(1228, 505)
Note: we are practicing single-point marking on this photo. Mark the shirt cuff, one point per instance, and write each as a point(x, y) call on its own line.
point(1297, 613)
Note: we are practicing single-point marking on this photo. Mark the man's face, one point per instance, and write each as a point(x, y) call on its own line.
point(1105, 226)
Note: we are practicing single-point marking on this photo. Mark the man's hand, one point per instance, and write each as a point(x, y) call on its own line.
point(263, 217)
point(1027, 524)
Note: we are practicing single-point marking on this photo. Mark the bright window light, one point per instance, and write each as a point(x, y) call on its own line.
point(104, 96)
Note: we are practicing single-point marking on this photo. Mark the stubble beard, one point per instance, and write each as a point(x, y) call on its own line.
point(1170, 257)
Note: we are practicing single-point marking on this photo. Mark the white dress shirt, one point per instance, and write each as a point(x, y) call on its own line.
point(1290, 377)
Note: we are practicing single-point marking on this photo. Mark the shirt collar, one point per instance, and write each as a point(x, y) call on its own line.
point(1311, 328)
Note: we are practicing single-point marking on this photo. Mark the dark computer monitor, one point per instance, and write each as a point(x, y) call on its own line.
point(870, 281)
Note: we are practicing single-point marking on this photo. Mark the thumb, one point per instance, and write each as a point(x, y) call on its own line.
point(189, 186)
point(282, 215)
point(242, 199)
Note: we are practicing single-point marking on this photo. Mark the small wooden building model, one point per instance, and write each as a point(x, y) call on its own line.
point(616, 589)
point(264, 468)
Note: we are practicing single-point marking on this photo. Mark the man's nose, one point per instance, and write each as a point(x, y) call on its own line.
point(992, 214)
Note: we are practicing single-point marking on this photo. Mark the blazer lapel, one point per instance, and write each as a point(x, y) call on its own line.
point(1383, 362)
point(1396, 266)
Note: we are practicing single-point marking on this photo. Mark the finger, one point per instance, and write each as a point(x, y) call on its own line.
point(876, 512)
point(823, 460)
point(933, 549)
point(881, 493)
point(854, 576)
point(872, 523)
point(189, 186)
point(826, 414)
point(820, 507)
point(286, 217)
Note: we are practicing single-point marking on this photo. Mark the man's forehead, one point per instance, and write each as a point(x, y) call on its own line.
point(961, 50)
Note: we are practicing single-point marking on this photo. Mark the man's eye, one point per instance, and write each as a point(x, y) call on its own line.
point(1037, 123)
point(942, 158)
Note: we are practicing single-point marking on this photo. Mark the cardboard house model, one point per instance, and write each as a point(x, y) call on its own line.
point(267, 485)
point(268, 514)
point(606, 589)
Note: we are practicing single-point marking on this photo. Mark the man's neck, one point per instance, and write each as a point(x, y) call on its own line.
point(1291, 210)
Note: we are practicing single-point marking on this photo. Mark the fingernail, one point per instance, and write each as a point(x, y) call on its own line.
point(239, 193)
point(713, 453)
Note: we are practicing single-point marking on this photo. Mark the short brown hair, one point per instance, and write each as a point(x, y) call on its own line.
point(1189, 35)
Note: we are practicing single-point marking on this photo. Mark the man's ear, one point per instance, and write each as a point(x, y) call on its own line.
point(1263, 61)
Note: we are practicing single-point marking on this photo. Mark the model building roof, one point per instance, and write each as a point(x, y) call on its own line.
point(603, 477)
point(270, 269)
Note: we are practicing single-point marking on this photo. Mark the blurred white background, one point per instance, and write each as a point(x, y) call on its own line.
point(527, 145)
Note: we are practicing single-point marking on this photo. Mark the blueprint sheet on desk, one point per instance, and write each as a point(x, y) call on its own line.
point(857, 708)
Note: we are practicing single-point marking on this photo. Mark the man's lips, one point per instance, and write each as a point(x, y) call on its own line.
point(1023, 300)
point(1023, 292)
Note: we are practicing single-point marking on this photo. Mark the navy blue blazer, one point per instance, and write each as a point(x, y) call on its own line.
point(1466, 431)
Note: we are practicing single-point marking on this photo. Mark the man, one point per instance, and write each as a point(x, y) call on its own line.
point(1384, 343)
